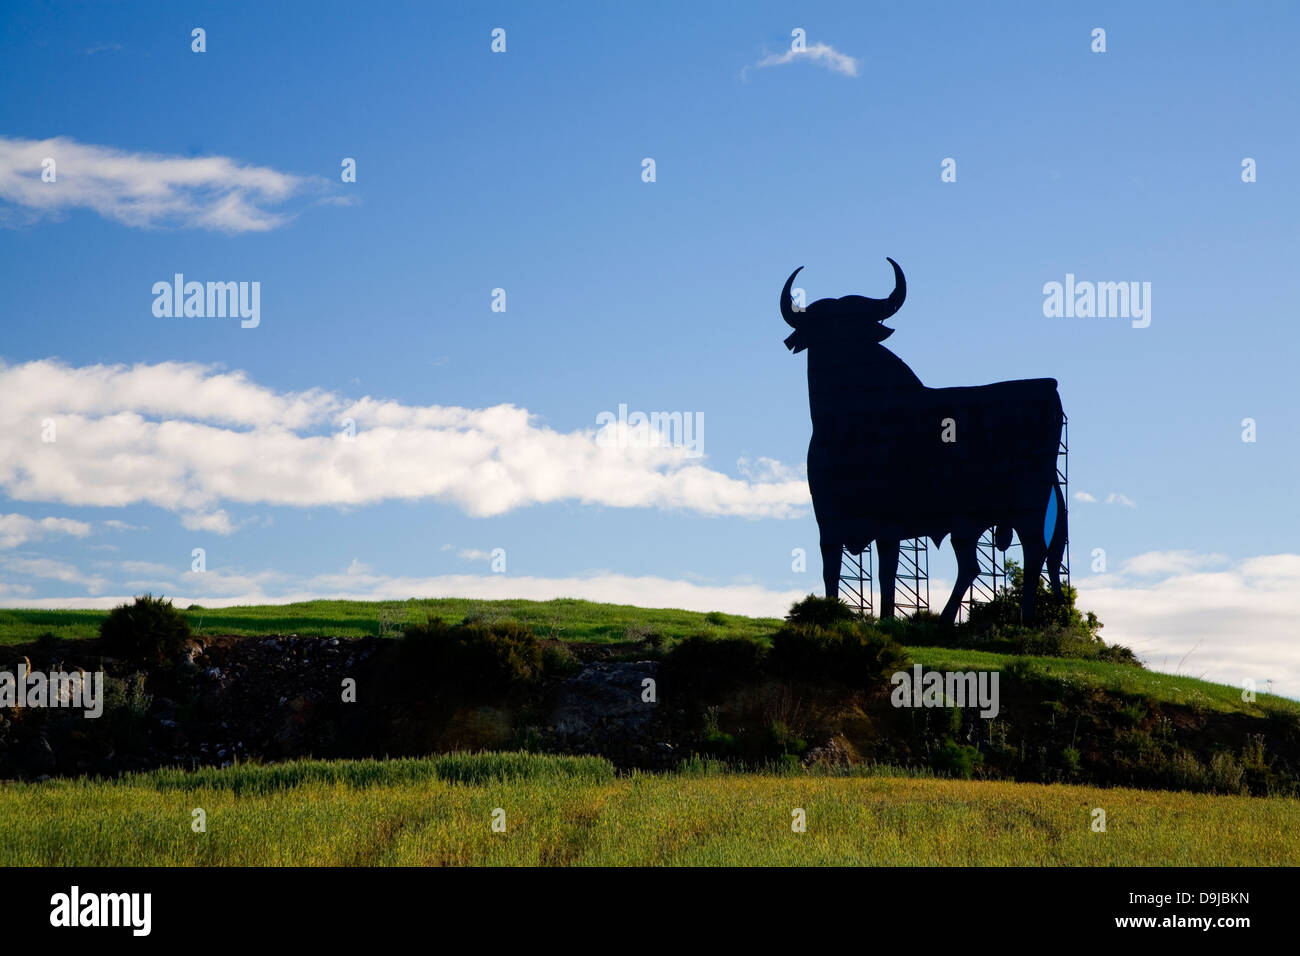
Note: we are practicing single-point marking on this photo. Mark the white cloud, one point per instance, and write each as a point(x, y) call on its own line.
point(1225, 625)
point(190, 439)
point(1171, 562)
point(1114, 498)
point(216, 522)
point(771, 470)
point(474, 554)
point(49, 569)
point(114, 525)
point(16, 529)
point(821, 54)
point(143, 189)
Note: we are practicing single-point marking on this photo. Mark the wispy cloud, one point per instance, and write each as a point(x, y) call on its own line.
point(821, 54)
point(193, 440)
point(50, 569)
point(16, 529)
point(1114, 498)
point(1171, 562)
point(141, 189)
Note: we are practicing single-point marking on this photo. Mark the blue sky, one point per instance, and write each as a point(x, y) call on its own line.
point(522, 170)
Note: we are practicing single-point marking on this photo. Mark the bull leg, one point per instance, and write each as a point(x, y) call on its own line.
point(888, 571)
point(1035, 555)
point(967, 568)
point(831, 551)
point(1056, 549)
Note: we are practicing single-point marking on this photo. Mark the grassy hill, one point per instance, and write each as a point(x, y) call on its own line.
point(565, 618)
point(573, 620)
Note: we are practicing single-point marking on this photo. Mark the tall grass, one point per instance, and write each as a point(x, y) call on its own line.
point(459, 768)
point(575, 811)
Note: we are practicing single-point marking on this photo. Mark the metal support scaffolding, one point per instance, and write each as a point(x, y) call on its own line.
point(1063, 477)
point(855, 580)
point(912, 583)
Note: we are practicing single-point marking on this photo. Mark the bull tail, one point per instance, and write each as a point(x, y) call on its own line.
point(1056, 535)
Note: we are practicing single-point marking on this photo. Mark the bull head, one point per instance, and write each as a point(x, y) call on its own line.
point(852, 316)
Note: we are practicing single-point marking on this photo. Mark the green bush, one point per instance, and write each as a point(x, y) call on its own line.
point(1004, 609)
point(1060, 629)
point(922, 629)
point(1070, 761)
point(958, 760)
point(821, 612)
point(147, 634)
point(470, 659)
point(782, 741)
point(560, 661)
point(852, 653)
point(714, 661)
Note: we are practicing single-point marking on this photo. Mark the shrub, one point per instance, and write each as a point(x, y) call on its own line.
point(471, 659)
point(958, 760)
point(1004, 609)
point(820, 612)
point(850, 653)
point(924, 628)
point(560, 661)
point(1070, 760)
point(714, 661)
point(147, 634)
point(642, 634)
point(1226, 775)
point(781, 740)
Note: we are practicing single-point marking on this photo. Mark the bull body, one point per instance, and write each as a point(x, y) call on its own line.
point(891, 459)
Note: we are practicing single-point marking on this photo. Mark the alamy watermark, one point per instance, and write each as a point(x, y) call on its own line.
point(29, 688)
point(946, 689)
point(129, 910)
point(653, 430)
point(1102, 300)
point(213, 300)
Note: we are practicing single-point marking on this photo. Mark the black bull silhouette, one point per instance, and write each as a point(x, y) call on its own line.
point(892, 459)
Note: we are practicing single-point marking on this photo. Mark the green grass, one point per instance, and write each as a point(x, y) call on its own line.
point(575, 811)
point(565, 618)
point(1114, 678)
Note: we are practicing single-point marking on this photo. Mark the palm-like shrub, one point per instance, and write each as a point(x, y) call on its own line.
point(147, 634)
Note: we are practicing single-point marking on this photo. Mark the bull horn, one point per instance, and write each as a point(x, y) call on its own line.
point(895, 300)
point(787, 304)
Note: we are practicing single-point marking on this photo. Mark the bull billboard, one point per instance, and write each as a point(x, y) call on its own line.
point(892, 459)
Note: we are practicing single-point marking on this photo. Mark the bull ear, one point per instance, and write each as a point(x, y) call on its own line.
point(787, 304)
